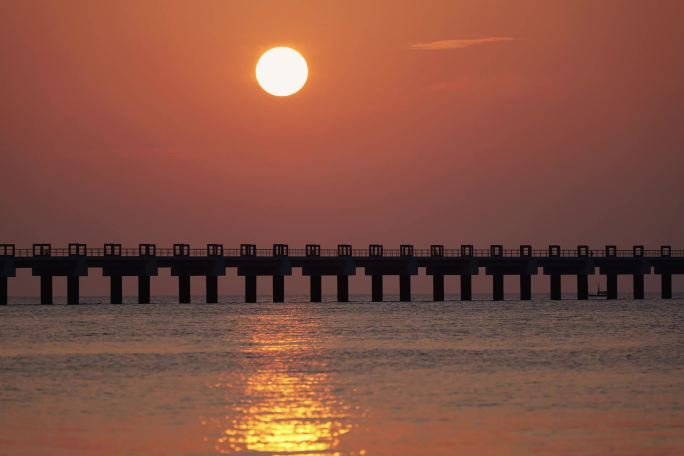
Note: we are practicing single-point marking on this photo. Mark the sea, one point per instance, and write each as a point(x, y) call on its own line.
point(564, 377)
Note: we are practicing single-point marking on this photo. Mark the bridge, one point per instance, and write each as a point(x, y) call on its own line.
point(76, 261)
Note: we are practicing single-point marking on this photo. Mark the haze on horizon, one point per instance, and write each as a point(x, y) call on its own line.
point(458, 122)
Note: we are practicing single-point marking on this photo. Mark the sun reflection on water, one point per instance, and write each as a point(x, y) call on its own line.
point(286, 404)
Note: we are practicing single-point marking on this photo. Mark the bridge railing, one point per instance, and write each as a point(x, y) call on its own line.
point(298, 252)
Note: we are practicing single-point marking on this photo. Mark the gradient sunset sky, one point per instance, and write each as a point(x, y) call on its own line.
point(423, 122)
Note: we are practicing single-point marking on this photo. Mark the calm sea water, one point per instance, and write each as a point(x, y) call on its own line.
point(389, 378)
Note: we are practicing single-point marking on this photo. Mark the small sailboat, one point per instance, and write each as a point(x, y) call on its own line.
point(599, 293)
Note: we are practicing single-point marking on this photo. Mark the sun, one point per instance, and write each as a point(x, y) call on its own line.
point(281, 71)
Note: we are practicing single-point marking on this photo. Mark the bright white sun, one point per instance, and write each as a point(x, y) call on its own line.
point(281, 71)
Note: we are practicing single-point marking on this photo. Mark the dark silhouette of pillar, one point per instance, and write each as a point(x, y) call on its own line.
point(611, 285)
point(212, 289)
point(404, 288)
point(466, 287)
point(115, 290)
point(73, 291)
point(315, 288)
point(144, 289)
point(525, 287)
point(498, 282)
point(638, 286)
point(278, 288)
point(666, 286)
point(342, 288)
point(250, 288)
point(184, 289)
point(46, 289)
point(582, 287)
point(3, 291)
point(438, 287)
point(555, 286)
point(376, 287)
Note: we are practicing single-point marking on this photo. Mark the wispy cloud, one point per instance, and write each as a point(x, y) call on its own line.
point(458, 44)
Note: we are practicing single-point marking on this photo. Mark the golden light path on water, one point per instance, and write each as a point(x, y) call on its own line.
point(284, 406)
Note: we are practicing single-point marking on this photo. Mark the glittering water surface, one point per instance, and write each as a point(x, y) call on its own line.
point(297, 378)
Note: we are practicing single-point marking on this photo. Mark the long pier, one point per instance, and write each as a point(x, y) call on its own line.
point(144, 262)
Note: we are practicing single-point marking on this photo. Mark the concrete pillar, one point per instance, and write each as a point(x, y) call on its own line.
point(498, 282)
point(184, 289)
point(438, 287)
point(212, 289)
point(466, 287)
point(143, 289)
point(611, 285)
point(3, 291)
point(376, 288)
point(46, 289)
point(342, 288)
point(115, 290)
point(582, 287)
point(315, 288)
point(638, 286)
point(278, 288)
point(73, 291)
point(555, 286)
point(525, 287)
point(250, 288)
point(405, 288)
point(666, 286)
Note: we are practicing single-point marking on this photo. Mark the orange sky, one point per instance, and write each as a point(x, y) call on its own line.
point(541, 122)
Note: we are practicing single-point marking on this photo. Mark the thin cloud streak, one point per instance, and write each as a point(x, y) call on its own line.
point(458, 44)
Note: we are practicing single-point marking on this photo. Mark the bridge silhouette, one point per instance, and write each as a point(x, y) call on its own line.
point(76, 260)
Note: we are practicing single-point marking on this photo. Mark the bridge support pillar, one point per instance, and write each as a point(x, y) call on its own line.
point(438, 287)
point(525, 287)
point(315, 288)
point(116, 289)
point(212, 289)
point(555, 287)
point(466, 287)
point(46, 289)
point(342, 288)
point(376, 288)
point(498, 282)
point(278, 288)
point(611, 285)
point(666, 286)
point(582, 287)
point(73, 289)
point(405, 288)
point(3, 291)
point(250, 289)
point(143, 289)
point(638, 286)
point(184, 289)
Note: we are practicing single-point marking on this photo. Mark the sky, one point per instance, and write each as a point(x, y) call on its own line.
point(456, 122)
